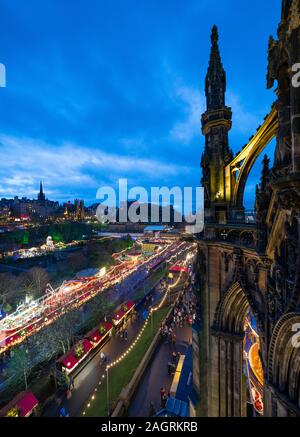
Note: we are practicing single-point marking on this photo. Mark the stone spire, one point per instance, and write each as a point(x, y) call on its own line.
point(216, 123)
point(215, 83)
point(294, 16)
point(265, 176)
point(286, 4)
point(41, 195)
point(262, 201)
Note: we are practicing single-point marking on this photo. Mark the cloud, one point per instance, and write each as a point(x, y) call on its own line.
point(193, 103)
point(69, 168)
point(244, 121)
point(193, 106)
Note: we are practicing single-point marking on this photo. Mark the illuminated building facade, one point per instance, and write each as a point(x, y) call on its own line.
point(251, 271)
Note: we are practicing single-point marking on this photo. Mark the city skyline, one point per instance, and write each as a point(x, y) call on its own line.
point(83, 118)
point(149, 212)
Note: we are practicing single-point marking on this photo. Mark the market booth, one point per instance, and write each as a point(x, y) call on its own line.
point(71, 360)
point(122, 314)
point(23, 405)
point(179, 269)
point(98, 335)
point(176, 271)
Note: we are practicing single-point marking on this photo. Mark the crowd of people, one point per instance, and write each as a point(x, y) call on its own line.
point(184, 314)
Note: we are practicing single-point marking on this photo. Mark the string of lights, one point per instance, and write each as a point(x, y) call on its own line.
point(131, 347)
point(68, 297)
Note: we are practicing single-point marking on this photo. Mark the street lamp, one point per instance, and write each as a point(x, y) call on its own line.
point(107, 392)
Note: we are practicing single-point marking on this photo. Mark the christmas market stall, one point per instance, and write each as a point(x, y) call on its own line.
point(73, 358)
point(23, 405)
point(121, 315)
point(98, 336)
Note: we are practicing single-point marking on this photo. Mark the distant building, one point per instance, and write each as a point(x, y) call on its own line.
point(154, 230)
point(23, 208)
point(79, 209)
point(41, 195)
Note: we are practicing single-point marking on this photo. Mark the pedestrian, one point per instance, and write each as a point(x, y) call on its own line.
point(164, 400)
point(125, 335)
point(72, 383)
point(63, 412)
point(166, 332)
point(103, 358)
point(169, 369)
point(67, 382)
point(152, 410)
point(162, 392)
point(174, 339)
point(52, 378)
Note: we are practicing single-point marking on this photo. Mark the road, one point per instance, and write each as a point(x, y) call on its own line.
point(89, 377)
point(31, 317)
point(156, 375)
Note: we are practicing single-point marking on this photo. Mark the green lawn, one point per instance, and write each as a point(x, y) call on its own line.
point(121, 375)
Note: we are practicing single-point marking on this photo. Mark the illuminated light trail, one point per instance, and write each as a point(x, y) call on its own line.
point(30, 318)
point(131, 347)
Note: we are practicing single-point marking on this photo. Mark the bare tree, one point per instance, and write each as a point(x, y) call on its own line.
point(19, 367)
point(35, 281)
point(77, 261)
point(7, 288)
point(62, 332)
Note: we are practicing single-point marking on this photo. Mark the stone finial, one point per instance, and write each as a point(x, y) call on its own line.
point(294, 16)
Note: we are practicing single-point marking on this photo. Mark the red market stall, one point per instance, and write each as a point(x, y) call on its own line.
point(179, 269)
point(98, 335)
point(70, 361)
point(120, 315)
point(23, 405)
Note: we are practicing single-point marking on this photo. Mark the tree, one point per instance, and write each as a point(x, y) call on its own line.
point(61, 333)
point(35, 281)
point(19, 367)
point(7, 289)
point(98, 308)
point(77, 261)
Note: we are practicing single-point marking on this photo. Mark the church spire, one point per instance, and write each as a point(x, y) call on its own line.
point(215, 82)
point(41, 195)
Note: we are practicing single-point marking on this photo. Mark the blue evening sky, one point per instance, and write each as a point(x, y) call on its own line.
point(99, 90)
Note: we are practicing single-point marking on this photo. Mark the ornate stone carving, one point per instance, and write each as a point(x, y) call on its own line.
point(294, 17)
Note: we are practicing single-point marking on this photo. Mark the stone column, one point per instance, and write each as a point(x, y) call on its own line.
point(295, 101)
point(240, 389)
point(215, 377)
point(228, 379)
point(223, 378)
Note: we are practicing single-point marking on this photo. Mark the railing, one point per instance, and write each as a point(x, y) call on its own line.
point(246, 218)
